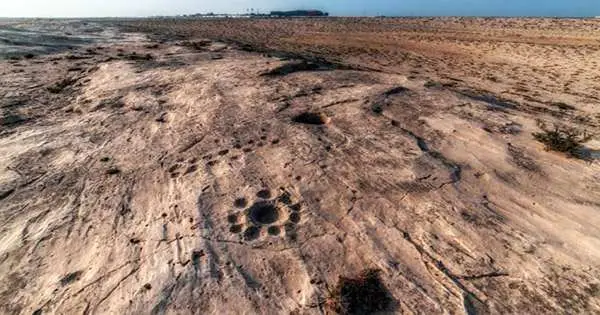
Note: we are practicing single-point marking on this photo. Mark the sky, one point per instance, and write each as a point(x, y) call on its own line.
point(100, 8)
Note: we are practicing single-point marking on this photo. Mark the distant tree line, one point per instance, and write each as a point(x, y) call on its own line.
point(299, 13)
point(255, 13)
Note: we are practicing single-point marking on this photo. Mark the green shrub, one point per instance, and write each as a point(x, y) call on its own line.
point(562, 139)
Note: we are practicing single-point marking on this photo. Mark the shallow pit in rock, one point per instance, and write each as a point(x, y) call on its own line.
point(263, 212)
point(311, 118)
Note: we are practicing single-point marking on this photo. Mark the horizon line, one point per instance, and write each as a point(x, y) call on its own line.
point(218, 15)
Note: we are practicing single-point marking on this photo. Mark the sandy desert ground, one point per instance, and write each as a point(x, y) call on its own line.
point(264, 166)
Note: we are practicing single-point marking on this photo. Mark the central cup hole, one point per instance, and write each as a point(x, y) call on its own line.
point(264, 212)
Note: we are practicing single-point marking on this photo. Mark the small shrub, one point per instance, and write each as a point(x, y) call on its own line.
point(562, 139)
point(376, 108)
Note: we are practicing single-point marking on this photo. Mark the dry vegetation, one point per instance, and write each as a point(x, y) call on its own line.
point(562, 139)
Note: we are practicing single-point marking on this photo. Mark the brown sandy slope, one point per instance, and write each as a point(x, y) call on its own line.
point(184, 182)
point(529, 60)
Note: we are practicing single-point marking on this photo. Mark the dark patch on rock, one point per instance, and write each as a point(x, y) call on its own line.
point(295, 66)
point(12, 119)
point(563, 106)
point(5, 194)
point(113, 171)
point(264, 194)
point(70, 278)
point(365, 294)
point(494, 102)
point(311, 118)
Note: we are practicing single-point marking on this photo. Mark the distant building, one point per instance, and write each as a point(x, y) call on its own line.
point(298, 13)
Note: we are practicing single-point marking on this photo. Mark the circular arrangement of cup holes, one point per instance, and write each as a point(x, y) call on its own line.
point(265, 216)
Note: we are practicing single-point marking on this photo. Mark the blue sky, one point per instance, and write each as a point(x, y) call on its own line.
point(71, 8)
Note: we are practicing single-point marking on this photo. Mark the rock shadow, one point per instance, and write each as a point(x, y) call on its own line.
point(365, 294)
